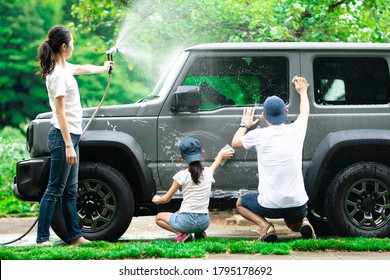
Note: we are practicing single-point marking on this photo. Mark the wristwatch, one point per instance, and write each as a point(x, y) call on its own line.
point(244, 124)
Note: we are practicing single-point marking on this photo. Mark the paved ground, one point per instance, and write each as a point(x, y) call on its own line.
point(224, 224)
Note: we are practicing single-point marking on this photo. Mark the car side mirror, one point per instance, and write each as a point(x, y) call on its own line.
point(186, 99)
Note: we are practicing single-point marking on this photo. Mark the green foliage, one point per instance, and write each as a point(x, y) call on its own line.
point(23, 24)
point(151, 31)
point(148, 32)
point(99, 250)
point(12, 149)
point(175, 21)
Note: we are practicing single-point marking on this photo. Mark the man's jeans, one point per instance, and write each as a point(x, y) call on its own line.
point(62, 186)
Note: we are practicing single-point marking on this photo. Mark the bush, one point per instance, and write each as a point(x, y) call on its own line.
point(12, 149)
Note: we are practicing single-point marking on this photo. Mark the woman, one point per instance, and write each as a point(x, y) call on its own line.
point(64, 134)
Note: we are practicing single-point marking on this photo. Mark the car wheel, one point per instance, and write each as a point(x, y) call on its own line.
point(105, 204)
point(358, 201)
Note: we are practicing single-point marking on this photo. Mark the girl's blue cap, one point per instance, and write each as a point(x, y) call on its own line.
point(191, 149)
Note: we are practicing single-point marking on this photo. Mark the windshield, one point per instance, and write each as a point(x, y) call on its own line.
point(168, 78)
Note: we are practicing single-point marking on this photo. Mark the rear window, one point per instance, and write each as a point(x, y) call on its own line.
point(238, 81)
point(351, 81)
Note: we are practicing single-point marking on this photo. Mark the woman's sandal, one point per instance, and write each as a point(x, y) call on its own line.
point(268, 237)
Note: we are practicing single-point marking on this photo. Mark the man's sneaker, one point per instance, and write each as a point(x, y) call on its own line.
point(307, 231)
point(183, 237)
point(200, 235)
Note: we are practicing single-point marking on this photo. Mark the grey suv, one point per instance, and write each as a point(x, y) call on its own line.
point(130, 151)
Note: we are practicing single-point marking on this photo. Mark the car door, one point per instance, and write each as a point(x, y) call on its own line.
point(229, 81)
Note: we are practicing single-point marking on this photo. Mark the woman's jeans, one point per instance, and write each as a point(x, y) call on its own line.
point(62, 186)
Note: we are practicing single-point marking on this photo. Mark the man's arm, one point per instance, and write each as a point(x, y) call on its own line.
point(247, 119)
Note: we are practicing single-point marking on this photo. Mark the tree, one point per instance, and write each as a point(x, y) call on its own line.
point(23, 29)
point(240, 20)
point(151, 30)
point(148, 32)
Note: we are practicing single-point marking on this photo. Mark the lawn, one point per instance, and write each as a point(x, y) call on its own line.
point(100, 250)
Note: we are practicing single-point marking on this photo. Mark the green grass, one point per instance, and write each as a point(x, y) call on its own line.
point(100, 250)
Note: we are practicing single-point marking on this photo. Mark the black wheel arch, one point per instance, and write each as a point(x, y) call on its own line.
point(340, 149)
point(122, 152)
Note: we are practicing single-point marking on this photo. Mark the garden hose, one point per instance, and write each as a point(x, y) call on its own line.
point(19, 238)
point(100, 104)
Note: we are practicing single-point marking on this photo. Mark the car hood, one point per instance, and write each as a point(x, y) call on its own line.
point(128, 110)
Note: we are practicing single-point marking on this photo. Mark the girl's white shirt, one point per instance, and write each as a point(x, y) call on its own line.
point(195, 197)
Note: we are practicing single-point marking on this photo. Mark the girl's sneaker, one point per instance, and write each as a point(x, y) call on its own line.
point(200, 235)
point(183, 237)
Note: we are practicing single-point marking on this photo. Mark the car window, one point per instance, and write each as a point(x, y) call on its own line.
point(238, 81)
point(351, 80)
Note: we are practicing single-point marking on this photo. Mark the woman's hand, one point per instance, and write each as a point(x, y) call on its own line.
point(109, 65)
point(71, 157)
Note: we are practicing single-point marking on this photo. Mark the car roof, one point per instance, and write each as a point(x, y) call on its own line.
point(290, 46)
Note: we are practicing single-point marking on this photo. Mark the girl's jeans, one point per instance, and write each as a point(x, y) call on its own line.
point(62, 186)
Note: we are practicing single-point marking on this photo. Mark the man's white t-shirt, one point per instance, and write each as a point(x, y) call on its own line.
point(279, 158)
point(195, 197)
point(61, 82)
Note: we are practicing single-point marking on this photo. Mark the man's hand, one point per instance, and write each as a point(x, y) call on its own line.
point(301, 85)
point(247, 117)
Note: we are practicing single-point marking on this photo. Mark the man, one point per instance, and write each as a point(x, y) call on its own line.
point(281, 191)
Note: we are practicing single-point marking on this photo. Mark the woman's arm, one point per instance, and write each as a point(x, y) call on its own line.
point(93, 69)
point(168, 196)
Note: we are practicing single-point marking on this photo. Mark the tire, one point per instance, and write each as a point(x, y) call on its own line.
point(105, 204)
point(358, 200)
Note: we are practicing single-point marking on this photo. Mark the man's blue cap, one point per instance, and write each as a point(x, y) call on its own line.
point(191, 149)
point(275, 110)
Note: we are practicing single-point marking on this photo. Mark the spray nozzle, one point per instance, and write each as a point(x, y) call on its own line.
point(112, 51)
point(110, 54)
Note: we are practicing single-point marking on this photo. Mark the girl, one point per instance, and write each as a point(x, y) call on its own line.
point(195, 181)
point(64, 134)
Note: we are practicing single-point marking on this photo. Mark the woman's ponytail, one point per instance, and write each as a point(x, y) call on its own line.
point(196, 170)
point(56, 36)
point(46, 59)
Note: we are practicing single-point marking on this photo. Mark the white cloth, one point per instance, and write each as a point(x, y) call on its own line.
point(61, 82)
point(195, 197)
point(279, 159)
